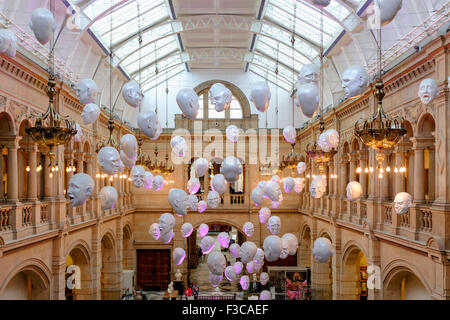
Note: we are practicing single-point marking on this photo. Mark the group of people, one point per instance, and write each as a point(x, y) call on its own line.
point(191, 290)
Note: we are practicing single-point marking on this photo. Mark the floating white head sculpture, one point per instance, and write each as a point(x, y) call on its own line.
point(231, 168)
point(207, 244)
point(259, 257)
point(213, 199)
point(186, 229)
point(289, 184)
point(192, 202)
point(354, 190)
point(158, 183)
point(187, 100)
point(257, 196)
point(109, 160)
point(201, 166)
point(8, 42)
point(323, 249)
point(127, 162)
point(289, 134)
point(250, 267)
point(132, 94)
point(299, 185)
point(232, 133)
point(166, 223)
point(264, 214)
point(224, 239)
point(265, 295)
point(148, 122)
point(309, 73)
point(301, 167)
point(402, 202)
point(284, 249)
point(235, 250)
point(86, 91)
point(247, 252)
point(328, 140)
point(193, 185)
point(149, 177)
point(155, 231)
point(203, 229)
point(428, 90)
point(276, 178)
point(138, 176)
point(215, 279)
point(307, 98)
point(291, 242)
point(77, 137)
point(220, 97)
point(273, 191)
point(179, 146)
point(318, 187)
point(216, 262)
point(230, 273)
point(218, 183)
point(238, 267)
point(178, 199)
point(129, 145)
point(90, 113)
point(202, 205)
point(43, 24)
point(272, 247)
point(262, 184)
point(178, 256)
point(274, 225)
point(320, 3)
point(80, 188)
point(264, 278)
point(108, 197)
point(260, 95)
point(388, 10)
point(167, 237)
point(245, 282)
point(354, 81)
point(248, 228)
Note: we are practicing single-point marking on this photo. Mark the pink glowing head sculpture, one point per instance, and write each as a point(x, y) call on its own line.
point(224, 239)
point(264, 214)
point(207, 244)
point(235, 250)
point(238, 267)
point(230, 273)
point(203, 229)
point(245, 282)
point(178, 256)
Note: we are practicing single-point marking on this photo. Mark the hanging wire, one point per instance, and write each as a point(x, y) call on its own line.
point(321, 71)
point(167, 101)
point(293, 60)
point(276, 86)
point(156, 79)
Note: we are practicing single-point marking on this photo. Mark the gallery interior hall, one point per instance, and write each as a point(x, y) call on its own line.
point(224, 150)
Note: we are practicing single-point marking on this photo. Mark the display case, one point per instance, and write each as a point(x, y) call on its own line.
point(290, 283)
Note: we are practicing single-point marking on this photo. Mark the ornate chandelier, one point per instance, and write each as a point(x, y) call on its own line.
point(290, 160)
point(163, 168)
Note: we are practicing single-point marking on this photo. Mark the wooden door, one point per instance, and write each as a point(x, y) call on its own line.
point(153, 272)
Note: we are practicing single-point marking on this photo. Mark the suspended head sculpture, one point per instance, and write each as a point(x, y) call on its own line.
point(224, 239)
point(178, 199)
point(155, 231)
point(178, 256)
point(291, 242)
point(186, 229)
point(187, 100)
point(257, 196)
point(309, 73)
point(216, 262)
point(428, 90)
point(260, 95)
point(328, 140)
point(250, 267)
point(193, 185)
point(201, 166)
point(301, 167)
point(149, 177)
point(132, 94)
point(247, 252)
point(166, 223)
point(259, 257)
point(320, 3)
point(8, 43)
point(232, 133)
point(323, 249)
point(90, 113)
point(235, 250)
point(238, 267)
point(307, 98)
point(318, 187)
point(289, 184)
point(80, 188)
point(215, 279)
point(129, 145)
point(265, 295)
point(109, 160)
point(77, 137)
point(402, 202)
point(273, 191)
point(299, 185)
point(245, 282)
point(274, 225)
point(275, 178)
point(231, 168)
point(207, 244)
point(248, 229)
point(388, 9)
point(218, 183)
point(148, 122)
point(86, 91)
point(108, 197)
point(179, 146)
point(289, 134)
point(213, 199)
point(43, 25)
point(203, 229)
point(272, 248)
point(202, 205)
point(354, 81)
point(354, 190)
point(264, 214)
point(220, 97)
point(264, 278)
point(192, 202)
point(138, 176)
point(158, 183)
point(230, 273)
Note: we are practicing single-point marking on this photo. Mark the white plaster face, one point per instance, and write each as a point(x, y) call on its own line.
point(148, 122)
point(309, 73)
point(328, 140)
point(245, 282)
point(80, 188)
point(272, 248)
point(231, 168)
point(207, 244)
point(43, 25)
point(250, 267)
point(260, 95)
point(155, 231)
point(158, 183)
point(265, 295)
point(235, 250)
point(138, 176)
point(238, 267)
point(264, 214)
point(318, 187)
point(289, 134)
point(132, 94)
point(428, 90)
point(201, 166)
point(129, 145)
point(262, 184)
point(167, 237)
point(179, 146)
point(86, 91)
point(218, 183)
point(307, 98)
point(274, 225)
point(257, 196)
point(288, 184)
point(186, 229)
point(203, 229)
point(192, 202)
point(127, 162)
point(291, 242)
point(301, 167)
point(259, 257)
point(215, 279)
point(193, 185)
point(354, 81)
point(230, 273)
point(90, 113)
point(213, 199)
point(202, 205)
point(178, 199)
point(275, 178)
point(322, 249)
point(216, 262)
point(299, 185)
point(187, 100)
point(220, 97)
point(148, 184)
point(8, 42)
point(232, 133)
point(109, 160)
point(388, 10)
point(402, 202)
point(166, 223)
point(108, 197)
point(178, 256)
point(77, 137)
point(273, 191)
point(284, 249)
point(248, 228)
point(354, 190)
point(264, 278)
point(247, 252)
point(224, 239)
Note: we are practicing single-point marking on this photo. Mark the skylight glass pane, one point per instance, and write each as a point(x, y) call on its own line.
point(163, 66)
point(200, 110)
point(284, 73)
point(235, 109)
point(270, 76)
point(161, 78)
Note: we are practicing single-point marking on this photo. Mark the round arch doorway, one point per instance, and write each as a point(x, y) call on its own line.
point(354, 275)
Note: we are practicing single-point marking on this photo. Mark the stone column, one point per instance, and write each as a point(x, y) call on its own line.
point(431, 175)
point(48, 182)
point(363, 175)
point(32, 175)
point(384, 182)
point(419, 194)
point(343, 176)
point(398, 177)
point(12, 175)
point(352, 173)
point(21, 174)
point(2, 191)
